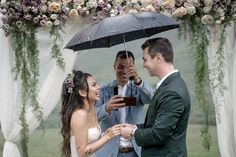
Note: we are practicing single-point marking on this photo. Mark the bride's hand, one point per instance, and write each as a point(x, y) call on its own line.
point(112, 131)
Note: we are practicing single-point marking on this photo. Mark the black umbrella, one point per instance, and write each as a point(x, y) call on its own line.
point(120, 29)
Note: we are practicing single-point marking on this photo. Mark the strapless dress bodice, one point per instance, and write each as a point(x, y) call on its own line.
point(93, 134)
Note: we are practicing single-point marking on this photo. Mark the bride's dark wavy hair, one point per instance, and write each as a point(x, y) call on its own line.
point(71, 100)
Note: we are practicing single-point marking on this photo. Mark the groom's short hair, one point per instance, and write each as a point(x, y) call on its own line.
point(159, 45)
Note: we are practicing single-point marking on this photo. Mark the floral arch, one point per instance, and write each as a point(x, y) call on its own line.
point(32, 33)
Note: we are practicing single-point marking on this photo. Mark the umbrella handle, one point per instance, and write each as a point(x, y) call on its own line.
point(125, 48)
point(132, 77)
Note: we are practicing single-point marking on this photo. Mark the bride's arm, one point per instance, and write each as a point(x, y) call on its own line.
point(79, 128)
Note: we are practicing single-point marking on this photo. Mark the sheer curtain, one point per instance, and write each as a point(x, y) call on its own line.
point(50, 82)
point(225, 107)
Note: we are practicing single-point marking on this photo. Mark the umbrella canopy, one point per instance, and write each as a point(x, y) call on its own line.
point(120, 29)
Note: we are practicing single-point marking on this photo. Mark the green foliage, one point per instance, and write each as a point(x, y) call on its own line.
point(217, 74)
point(55, 50)
point(200, 36)
point(27, 68)
point(199, 42)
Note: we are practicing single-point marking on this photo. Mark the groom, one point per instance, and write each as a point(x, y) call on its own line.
point(163, 133)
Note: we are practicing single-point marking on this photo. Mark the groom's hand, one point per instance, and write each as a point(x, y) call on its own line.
point(127, 130)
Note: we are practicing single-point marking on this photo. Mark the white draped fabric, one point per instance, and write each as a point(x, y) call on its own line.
point(50, 82)
point(225, 106)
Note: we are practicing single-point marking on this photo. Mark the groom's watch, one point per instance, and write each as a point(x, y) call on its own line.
point(133, 131)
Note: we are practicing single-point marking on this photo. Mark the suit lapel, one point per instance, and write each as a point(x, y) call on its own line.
point(155, 94)
point(158, 91)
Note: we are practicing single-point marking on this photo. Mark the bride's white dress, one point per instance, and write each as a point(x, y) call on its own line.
point(93, 134)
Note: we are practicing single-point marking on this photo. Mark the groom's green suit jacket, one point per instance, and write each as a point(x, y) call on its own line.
point(164, 132)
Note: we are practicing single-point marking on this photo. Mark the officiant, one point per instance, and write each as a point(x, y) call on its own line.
point(112, 109)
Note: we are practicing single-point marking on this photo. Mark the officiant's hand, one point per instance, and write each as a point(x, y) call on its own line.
point(132, 72)
point(114, 103)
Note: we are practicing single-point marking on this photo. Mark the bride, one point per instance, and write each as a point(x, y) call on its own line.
point(80, 129)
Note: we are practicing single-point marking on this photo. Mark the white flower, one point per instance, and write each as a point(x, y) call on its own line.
point(36, 19)
point(34, 9)
point(150, 8)
point(234, 16)
point(49, 23)
point(75, 5)
point(109, 6)
point(73, 14)
point(44, 8)
point(207, 20)
point(87, 12)
point(79, 2)
point(133, 11)
point(54, 16)
point(137, 7)
point(56, 22)
point(101, 2)
point(170, 3)
point(134, 1)
point(117, 2)
point(26, 9)
point(113, 12)
point(19, 23)
point(66, 1)
point(180, 12)
point(79, 8)
point(84, 9)
point(220, 12)
point(179, 2)
point(195, 3)
point(150, 1)
point(166, 12)
point(191, 10)
point(65, 9)
point(218, 22)
point(144, 2)
point(44, 17)
point(208, 2)
point(222, 18)
point(128, 3)
point(6, 26)
point(92, 4)
point(206, 9)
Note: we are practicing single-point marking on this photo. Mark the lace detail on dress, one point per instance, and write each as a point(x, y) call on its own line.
point(93, 135)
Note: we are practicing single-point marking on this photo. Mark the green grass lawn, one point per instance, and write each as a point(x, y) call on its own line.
point(46, 144)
